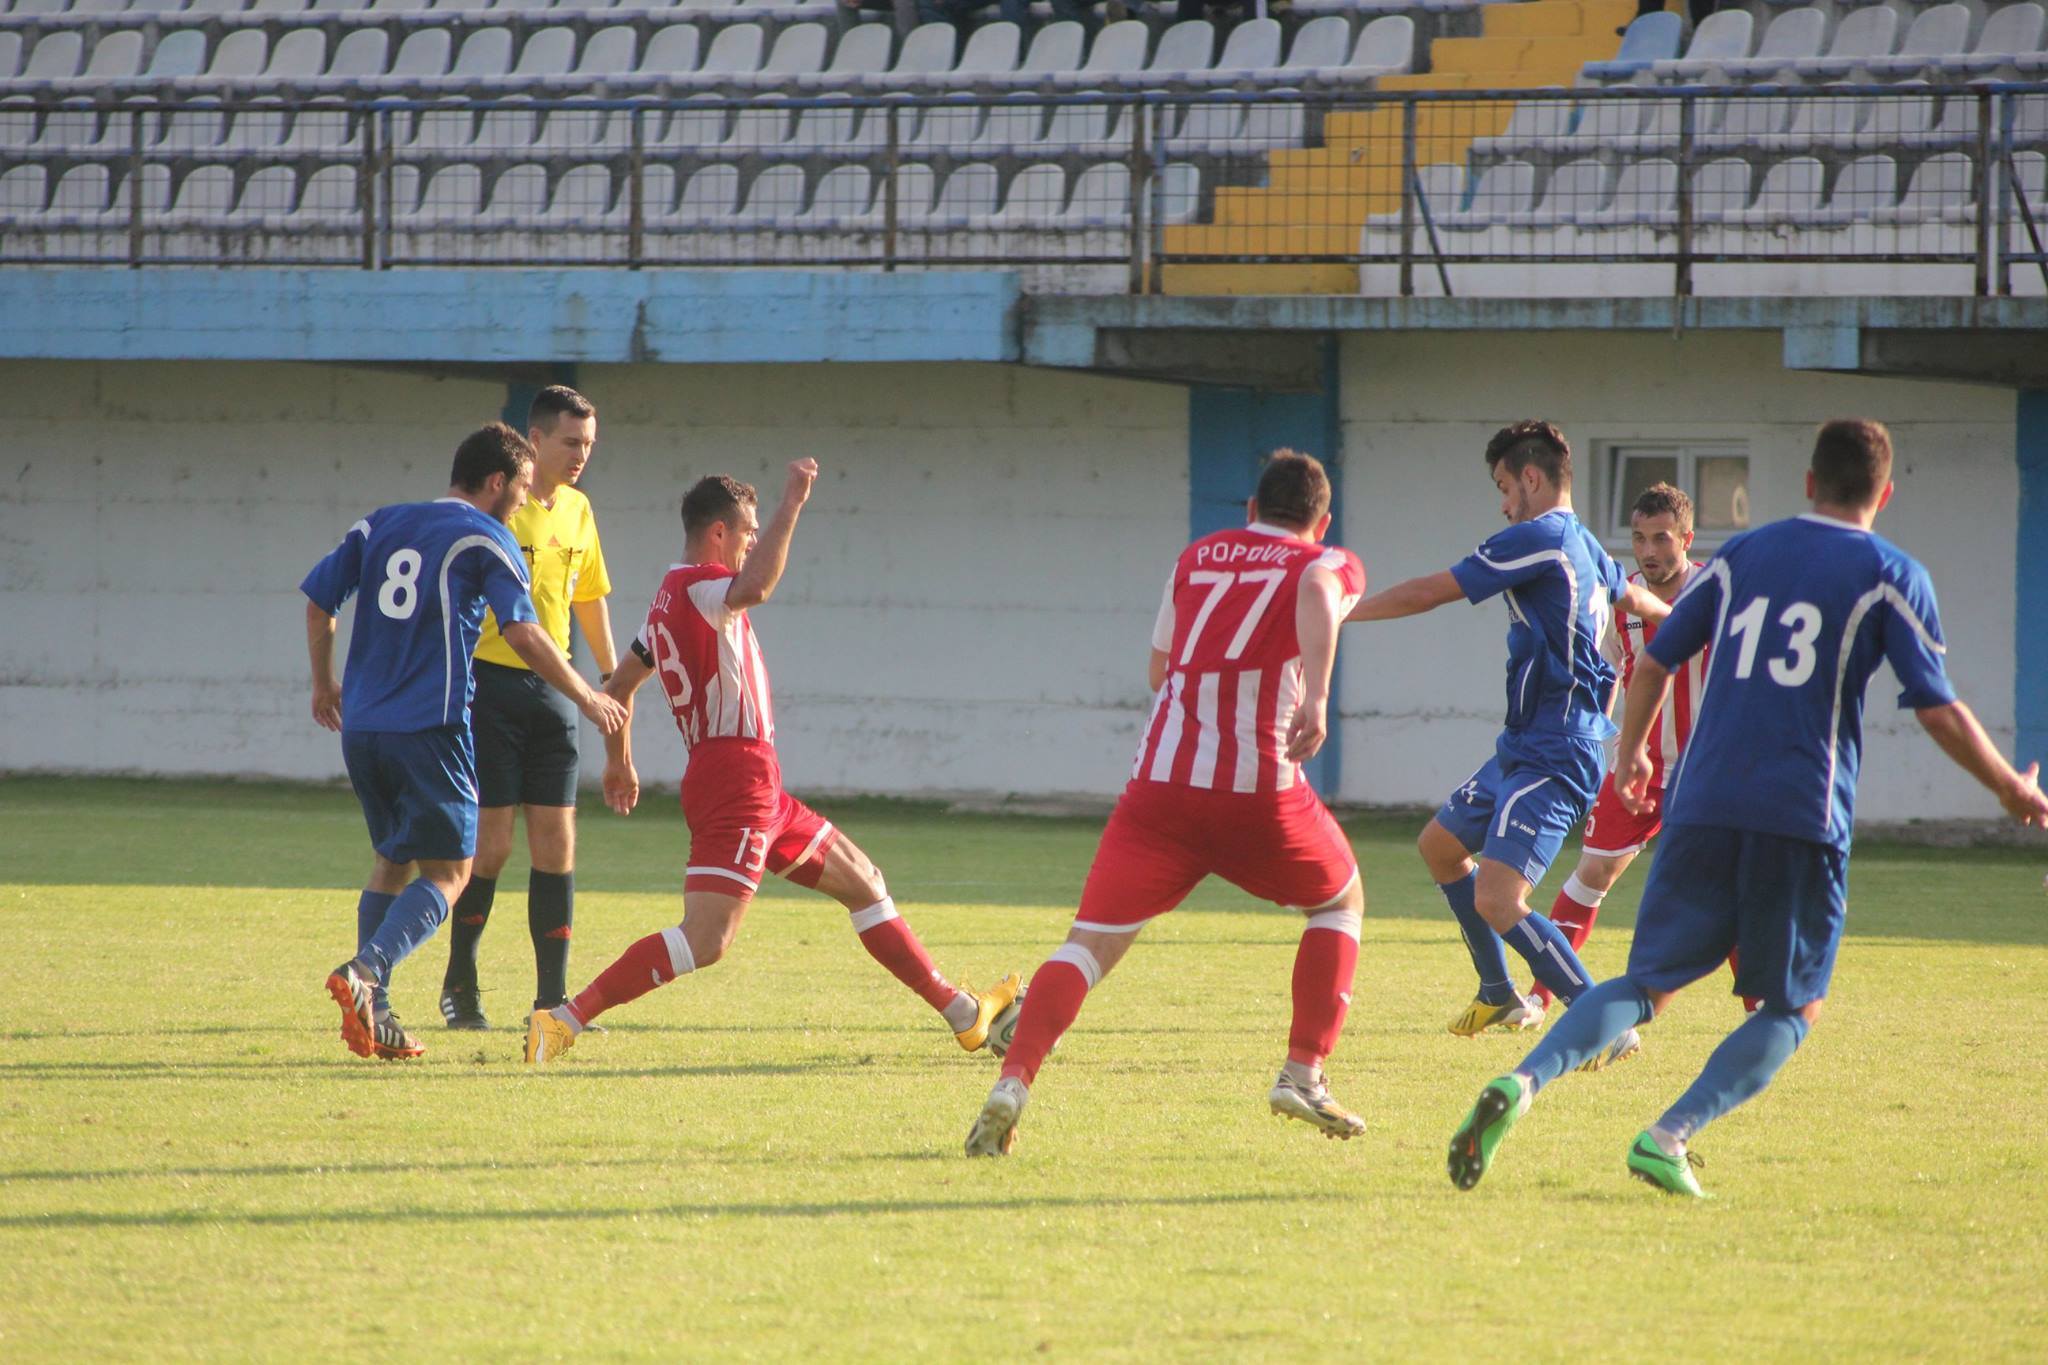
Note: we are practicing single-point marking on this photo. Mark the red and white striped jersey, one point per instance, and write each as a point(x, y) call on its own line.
point(707, 658)
point(1671, 729)
point(1234, 671)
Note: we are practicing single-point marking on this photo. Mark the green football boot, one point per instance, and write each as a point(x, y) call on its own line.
point(1650, 1164)
point(1502, 1102)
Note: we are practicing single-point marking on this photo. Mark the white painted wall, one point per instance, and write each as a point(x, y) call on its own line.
point(966, 607)
point(1423, 698)
point(971, 590)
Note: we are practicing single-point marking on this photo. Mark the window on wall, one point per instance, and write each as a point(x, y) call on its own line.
point(1714, 475)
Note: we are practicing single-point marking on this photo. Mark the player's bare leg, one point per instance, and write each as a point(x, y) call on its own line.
point(1323, 970)
point(850, 877)
point(711, 920)
point(401, 906)
point(1051, 1004)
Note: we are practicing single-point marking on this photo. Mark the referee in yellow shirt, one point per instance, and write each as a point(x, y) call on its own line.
point(526, 731)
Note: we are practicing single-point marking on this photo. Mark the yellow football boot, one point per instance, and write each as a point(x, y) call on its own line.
point(991, 1003)
point(1516, 1015)
point(547, 1038)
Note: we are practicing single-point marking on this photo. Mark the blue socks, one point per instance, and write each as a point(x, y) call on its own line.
point(370, 911)
point(1738, 1071)
point(1596, 1019)
point(1496, 987)
point(411, 920)
point(1549, 954)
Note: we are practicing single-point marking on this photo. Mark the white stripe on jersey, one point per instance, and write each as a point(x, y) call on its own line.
point(448, 615)
point(1288, 699)
point(1883, 592)
point(1245, 727)
point(1207, 736)
point(1714, 568)
point(1170, 735)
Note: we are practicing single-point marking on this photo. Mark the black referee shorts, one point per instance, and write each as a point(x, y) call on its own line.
point(525, 739)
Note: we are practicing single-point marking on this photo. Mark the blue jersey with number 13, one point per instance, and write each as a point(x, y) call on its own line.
point(1800, 614)
point(426, 571)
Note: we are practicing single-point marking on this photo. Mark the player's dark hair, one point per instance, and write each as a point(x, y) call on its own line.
point(1294, 490)
point(492, 448)
point(554, 401)
point(1522, 444)
point(1661, 498)
point(716, 497)
point(1852, 461)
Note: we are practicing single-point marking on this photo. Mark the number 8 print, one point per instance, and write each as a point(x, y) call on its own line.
point(399, 598)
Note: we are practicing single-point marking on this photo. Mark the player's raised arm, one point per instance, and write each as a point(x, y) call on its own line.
point(1640, 601)
point(320, 624)
point(756, 581)
point(1318, 604)
point(1410, 598)
point(531, 643)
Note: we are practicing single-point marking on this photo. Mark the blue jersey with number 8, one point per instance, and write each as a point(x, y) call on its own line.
point(1800, 613)
point(426, 571)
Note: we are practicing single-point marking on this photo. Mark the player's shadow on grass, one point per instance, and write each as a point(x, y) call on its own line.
point(169, 1218)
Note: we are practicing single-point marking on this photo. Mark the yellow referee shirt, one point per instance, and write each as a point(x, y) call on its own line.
point(565, 562)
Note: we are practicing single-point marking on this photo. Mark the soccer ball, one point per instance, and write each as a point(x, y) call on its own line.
point(1003, 1027)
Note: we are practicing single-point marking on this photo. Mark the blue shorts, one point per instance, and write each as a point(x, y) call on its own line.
point(1526, 801)
point(418, 791)
point(1779, 900)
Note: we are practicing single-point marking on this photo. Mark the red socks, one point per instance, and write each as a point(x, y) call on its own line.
point(1056, 991)
point(889, 941)
point(654, 961)
point(1576, 907)
point(1323, 968)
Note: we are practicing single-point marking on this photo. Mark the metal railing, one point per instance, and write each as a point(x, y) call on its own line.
point(1419, 191)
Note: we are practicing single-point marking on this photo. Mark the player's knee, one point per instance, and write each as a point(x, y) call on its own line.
point(1658, 1000)
point(1810, 1012)
point(1501, 910)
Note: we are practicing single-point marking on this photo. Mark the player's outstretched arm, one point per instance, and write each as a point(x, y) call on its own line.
point(621, 782)
point(595, 618)
point(320, 653)
point(755, 582)
point(1647, 692)
point(1640, 601)
point(1317, 604)
point(532, 644)
point(1410, 598)
point(1955, 728)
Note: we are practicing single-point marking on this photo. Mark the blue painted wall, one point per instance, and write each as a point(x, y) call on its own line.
point(2030, 625)
point(1230, 432)
point(492, 316)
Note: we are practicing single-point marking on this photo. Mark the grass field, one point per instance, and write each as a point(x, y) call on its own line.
point(763, 1162)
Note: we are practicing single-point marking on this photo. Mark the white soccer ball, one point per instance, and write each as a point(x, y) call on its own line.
point(1003, 1027)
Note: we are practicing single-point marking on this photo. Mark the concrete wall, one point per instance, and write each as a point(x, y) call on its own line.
point(1423, 698)
point(966, 607)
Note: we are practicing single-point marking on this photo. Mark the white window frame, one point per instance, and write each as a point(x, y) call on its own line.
point(1614, 529)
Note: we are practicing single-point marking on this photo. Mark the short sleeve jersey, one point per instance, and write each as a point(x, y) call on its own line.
point(1799, 614)
point(707, 658)
point(427, 571)
point(1234, 669)
point(565, 563)
point(1673, 726)
point(1559, 586)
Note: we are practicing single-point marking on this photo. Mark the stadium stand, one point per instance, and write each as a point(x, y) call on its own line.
point(1249, 159)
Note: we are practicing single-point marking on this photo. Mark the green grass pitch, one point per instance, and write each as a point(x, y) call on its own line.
point(763, 1161)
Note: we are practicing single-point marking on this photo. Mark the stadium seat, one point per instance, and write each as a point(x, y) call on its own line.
point(1036, 197)
point(1862, 189)
point(116, 56)
point(56, 57)
point(1055, 48)
point(486, 52)
point(608, 52)
point(1577, 189)
point(991, 52)
point(2007, 32)
point(698, 129)
point(1118, 50)
point(1939, 186)
point(799, 50)
point(1100, 198)
point(1010, 127)
point(1385, 47)
point(239, 56)
point(10, 53)
point(1645, 195)
point(1720, 189)
point(758, 132)
point(424, 55)
point(1535, 128)
point(547, 52)
point(1936, 34)
point(735, 51)
point(1323, 42)
point(968, 195)
point(1186, 52)
point(1498, 191)
point(1793, 36)
point(1176, 192)
point(1252, 49)
point(1724, 36)
point(863, 51)
point(775, 197)
point(928, 50)
point(1789, 193)
point(673, 51)
point(1650, 38)
point(841, 198)
point(1863, 36)
point(943, 131)
point(710, 196)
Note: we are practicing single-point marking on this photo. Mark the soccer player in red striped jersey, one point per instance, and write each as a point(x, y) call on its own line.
point(1660, 535)
point(699, 641)
point(1241, 659)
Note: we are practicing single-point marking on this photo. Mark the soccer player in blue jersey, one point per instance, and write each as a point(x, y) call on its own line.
point(1515, 812)
point(426, 571)
point(1758, 817)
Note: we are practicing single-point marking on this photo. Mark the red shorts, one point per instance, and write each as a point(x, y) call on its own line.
point(743, 823)
point(1283, 847)
point(1613, 829)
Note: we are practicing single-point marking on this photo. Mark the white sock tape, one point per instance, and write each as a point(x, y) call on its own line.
point(1346, 922)
point(681, 961)
point(1074, 955)
point(881, 912)
point(1582, 893)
